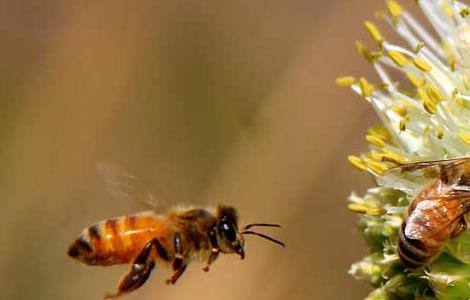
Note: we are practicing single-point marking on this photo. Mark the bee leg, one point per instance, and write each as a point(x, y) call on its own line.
point(214, 250)
point(461, 227)
point(139, 273)
point(179, 264)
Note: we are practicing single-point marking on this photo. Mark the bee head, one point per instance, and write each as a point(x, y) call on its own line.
point(230, 239)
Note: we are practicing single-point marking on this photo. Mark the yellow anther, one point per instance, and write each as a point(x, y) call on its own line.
point(376, 55)
point(440, 134)
point(345, 81)
point(452, 63)
point(358, 208)
point(394, 8)
point(419, 46)
point(422, 65)
point(427, 129)
point(447, 9)
point(379, 131)
point(434, 93)
point(394, 156)
point(465, 137)
point(465, 81)
point(430, 106)
point(398, 58)
point(366, 88)
point(464, 12)
point(403, 123)
point(399, 110)
point(364, 51)
point(375, 140)
point(357, 162)
point(376, 167)
point(417, 82)
point(374, 32)
point(423, 94)
point(377, 211)
point(384, 86)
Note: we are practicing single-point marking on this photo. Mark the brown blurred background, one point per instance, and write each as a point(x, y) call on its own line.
point(207, 101)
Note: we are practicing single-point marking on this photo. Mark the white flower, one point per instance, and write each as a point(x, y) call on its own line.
point(423, 101)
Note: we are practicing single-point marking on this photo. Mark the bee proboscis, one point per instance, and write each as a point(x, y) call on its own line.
point(436, 214)
point(174, 237)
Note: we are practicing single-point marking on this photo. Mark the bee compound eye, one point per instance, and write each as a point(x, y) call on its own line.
point(228, 231)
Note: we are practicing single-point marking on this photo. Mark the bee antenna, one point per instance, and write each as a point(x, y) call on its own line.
point(264, 237)
point(260, 225)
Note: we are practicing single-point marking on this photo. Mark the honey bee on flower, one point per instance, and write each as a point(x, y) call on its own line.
point(422, 97)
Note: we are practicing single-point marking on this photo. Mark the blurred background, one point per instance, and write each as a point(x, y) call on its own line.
point(207, 102)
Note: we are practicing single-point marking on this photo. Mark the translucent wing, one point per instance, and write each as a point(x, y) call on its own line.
point(119, 183)
point(411, 177)
point(430, 217)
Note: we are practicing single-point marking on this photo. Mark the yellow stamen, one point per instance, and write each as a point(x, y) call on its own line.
point(417, 82)
point(430, 106)
point(419, 46)
point(452, 63)
point(403, 123)
point(394, 156)
point(399, 110)
point(380, 131)
point(394, 8)
point(423, 94)
point(398, 58)
point(345, 81)
point(384, 86)
point(464, 12)
point(374, 32)
point(376, 167)
point(433, 93)
point(366, 88)
point(447, 9)
point(358, 208)
point(422, 65)
point(465, 137)
point(357, 162)
point(364, 51)
point(375, 140)
point(427, 129)
point(440, 134)
point(378, 211)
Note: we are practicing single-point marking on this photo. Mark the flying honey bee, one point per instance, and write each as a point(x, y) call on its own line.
point(436, 214)
point(173, 237)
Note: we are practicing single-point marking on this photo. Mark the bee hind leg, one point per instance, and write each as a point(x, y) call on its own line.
point(461, 227)
point(139, 273)
point(179, 263)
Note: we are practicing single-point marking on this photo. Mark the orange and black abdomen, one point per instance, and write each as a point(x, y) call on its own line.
point(434, 217)
point(415, 253)
point(119, 240)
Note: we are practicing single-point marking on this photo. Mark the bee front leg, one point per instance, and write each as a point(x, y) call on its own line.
point(214, 250)
point(179, 263)
point(139, 273)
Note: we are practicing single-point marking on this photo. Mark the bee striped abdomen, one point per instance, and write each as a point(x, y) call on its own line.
point(116, 241)
point(412, 252)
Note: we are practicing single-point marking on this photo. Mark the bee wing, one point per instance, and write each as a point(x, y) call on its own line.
point(433, 216)
point(121, 184)
point(410, 177)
